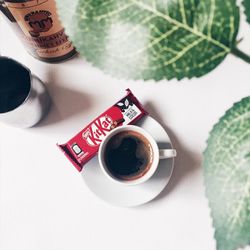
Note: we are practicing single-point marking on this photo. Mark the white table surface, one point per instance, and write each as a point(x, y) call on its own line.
point(44, 203)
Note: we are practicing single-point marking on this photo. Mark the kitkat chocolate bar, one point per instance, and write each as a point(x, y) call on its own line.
point(83, 146)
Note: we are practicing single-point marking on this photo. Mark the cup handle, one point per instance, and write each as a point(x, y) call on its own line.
point(167, 153)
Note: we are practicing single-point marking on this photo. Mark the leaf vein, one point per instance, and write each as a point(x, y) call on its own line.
point(211, 18)
point(181, 25)
point(184, 51)
point(114, 12)
point(183, 14)
point(155, 41)
point(235, 217)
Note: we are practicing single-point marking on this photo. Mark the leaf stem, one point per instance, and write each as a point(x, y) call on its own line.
point(235, 51)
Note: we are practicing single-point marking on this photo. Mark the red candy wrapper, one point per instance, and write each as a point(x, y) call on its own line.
point(84, 146)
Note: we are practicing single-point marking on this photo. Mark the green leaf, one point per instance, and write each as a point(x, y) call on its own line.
point(152, 39)
point(246, 4)
point(227, 177)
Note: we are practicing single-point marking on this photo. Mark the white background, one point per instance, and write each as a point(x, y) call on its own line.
point(44, 203)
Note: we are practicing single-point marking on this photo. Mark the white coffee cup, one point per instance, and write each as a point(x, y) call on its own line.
point(158, 154)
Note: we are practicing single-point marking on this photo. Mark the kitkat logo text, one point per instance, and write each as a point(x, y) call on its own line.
point(96, 132)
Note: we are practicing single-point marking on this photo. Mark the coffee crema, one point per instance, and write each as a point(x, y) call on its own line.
point(128, 155)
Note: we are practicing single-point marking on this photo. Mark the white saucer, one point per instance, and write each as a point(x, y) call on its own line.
point(128, 196)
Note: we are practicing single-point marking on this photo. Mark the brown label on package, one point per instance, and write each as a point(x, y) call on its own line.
point(42, 29)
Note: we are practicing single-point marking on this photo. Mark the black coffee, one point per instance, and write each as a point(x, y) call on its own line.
point(128, 155)
point(14, 84)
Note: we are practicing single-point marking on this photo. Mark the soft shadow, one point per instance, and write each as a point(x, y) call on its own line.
point(164, 145)
point(186, 161)
point(66, 103)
